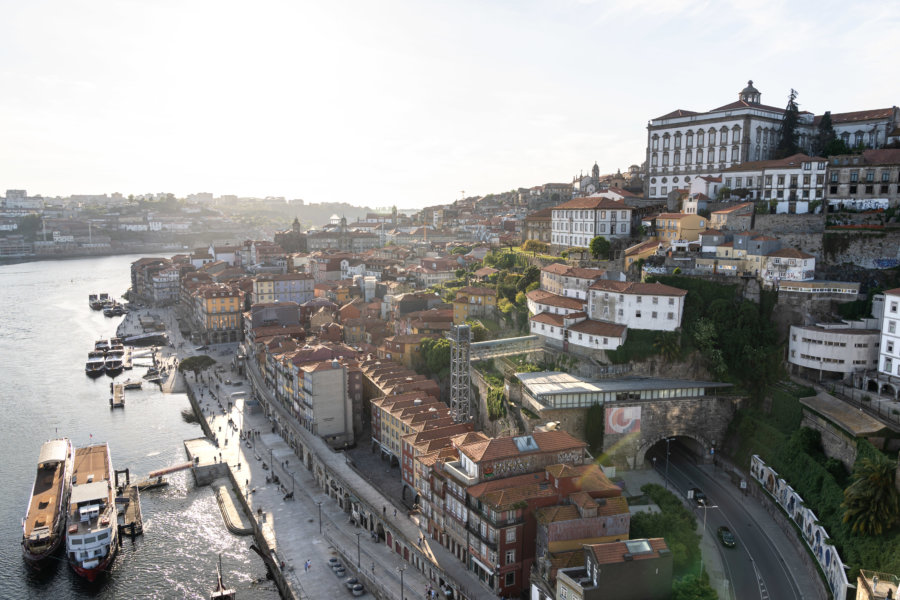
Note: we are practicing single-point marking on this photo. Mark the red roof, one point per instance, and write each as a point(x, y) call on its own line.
point(593, 203)
point(779, 163)
point(790, 253)
point(644, 289)
point(679, 112)
point(614, 552)
point(600, 328)
point(745, 104)
point(859, 115)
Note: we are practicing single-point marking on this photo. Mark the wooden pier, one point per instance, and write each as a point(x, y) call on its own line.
point(130, 520)
point(118, 397)
point(127, 361)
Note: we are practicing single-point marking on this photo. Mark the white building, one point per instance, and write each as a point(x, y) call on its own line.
point(889, 352)
point(542, 301)
point(552, 327)
point(637, 305)
point(798, 178)
point(576, 222)
point(683, 145)
point(835, 348)
point(572, 282)
point(788, 264)
point(597, 335)
point(325, 407)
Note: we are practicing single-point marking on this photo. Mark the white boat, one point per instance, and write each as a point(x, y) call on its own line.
point(92, 528)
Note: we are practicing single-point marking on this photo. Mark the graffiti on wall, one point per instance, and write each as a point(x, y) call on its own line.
point(813, 534)
point(623, 419)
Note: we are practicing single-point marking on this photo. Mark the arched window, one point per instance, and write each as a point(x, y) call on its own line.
point(687, 157)
point(699, 157)
point(653, 161)
point(678, 140)
point(666, 142)
point(677, 158)
point(722, 153)
point(690, 138)
point(700, 138)
point(655, 142)
point(712, 137)
point(735, 154)
point(723, 137)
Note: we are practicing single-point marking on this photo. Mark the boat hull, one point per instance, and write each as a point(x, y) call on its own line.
point(92, 573)
point(38, 546)
point(94, 373)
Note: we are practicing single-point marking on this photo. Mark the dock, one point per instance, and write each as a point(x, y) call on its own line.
point(118, 397)
point(130, 519)
point(127, 358)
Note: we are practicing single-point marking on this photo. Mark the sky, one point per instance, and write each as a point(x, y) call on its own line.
point(398, 102)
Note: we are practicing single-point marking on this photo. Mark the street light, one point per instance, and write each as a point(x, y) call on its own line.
point(319, 503)
point(401, 569)
point(668, 440)
point(703, 502)
point(358, 533)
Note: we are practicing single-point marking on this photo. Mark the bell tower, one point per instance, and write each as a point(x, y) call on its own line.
point(750, 94)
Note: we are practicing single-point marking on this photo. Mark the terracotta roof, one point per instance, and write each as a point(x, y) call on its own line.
point(680, 112)
point(734, 208)
point(569, 271)
point(614, 552)
point(790, 253)
point(600, 328)
point(544, 213)
point(711, 179)
point(779, 163)
point(642, 247)
point(672, 215)
point(884, 156)
point(557, 320)
point(620, 192)
point(551, 299)
point(562, 470)
point(744, 104)
point(484, 271)
point(477, 291)
point(859, 115)
point(711, 232)
point(496, 448)
point(644, 289)
point(593, 203)
point(893, 292)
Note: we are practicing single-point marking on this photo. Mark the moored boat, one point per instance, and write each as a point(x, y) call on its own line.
point(44, 526)
point(92, 526)
point(113, 364)
point(97, 302)
point(133, 384)
point(101, 345)
point(95, 367)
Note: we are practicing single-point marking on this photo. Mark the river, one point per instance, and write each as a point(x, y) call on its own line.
point(46, 331)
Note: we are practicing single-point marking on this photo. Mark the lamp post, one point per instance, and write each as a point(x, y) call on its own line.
point(401, 569)
point(703, 502)
point(319, 503)
point(358, 533)
point(668, 441)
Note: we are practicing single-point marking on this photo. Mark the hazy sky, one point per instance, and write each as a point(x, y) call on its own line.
point(383, 102)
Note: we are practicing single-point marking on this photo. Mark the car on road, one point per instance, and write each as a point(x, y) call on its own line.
point(201, 348)
point(697, 495)
point(726, 537)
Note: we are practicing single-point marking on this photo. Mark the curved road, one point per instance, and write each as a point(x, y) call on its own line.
point(758, 568)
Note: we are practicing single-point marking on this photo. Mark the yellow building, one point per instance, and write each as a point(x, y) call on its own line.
point(474, 302)
point(218, 310)
point(671, 227)
point(640, 251)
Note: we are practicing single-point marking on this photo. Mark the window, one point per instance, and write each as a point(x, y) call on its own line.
point(671, 316)
point(510, 578)
point(654, 314)
point(806, 180)
point(510, 535)
point(889, 347)
point(793, 181)
point(637, 314)
point(885, 176)
point(892, 327)
point(712, 138)
point(893, 307)
point(768, 180)
point(510, 557)
point(834, 177)
point(870, 189)
point(854, 176)
point(699, 156)
point(870, 176)
point(781, 180)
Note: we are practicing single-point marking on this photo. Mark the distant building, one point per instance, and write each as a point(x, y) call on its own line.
point(864, 182)
point(834, 349)
point(626, 570)
point(576, 222)
point(889, 354)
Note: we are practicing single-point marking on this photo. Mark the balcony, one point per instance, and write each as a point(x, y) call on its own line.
point(455, 470)
point(473, 528)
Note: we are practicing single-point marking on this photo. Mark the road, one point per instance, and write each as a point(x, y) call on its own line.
point(757, 567)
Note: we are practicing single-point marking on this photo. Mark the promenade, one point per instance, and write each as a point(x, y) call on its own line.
point(299, 520)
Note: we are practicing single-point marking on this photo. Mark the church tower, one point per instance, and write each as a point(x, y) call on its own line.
point(296, 226)
point(595, 172)
point(750, 94)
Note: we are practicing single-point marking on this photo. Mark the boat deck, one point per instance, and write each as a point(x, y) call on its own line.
point(44, 500)
point(91, 460)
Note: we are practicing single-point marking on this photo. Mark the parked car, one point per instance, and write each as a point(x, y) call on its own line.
point(201, 348)
point(351, 582)
point(358, 590)
point(726, 537)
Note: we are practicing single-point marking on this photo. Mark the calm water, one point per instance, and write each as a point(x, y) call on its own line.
point(46, 330)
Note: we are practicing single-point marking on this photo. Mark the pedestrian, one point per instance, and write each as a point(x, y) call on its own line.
point(395, 512)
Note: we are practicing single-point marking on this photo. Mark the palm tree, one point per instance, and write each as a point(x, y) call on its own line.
point(668, 344)
point(870, 502)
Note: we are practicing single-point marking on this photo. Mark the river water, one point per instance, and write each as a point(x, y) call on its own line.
point(46, 331)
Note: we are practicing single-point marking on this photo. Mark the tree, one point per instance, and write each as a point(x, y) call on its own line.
point(668, 344)
point(479, 332)
point(600, 247)
point(435, 354)
point(723, 193)
point(531, 275)
point(824, 135)
point(787, 144)
point(196, 364)
point(691, 587)
point(593, 427)
point(536, 246)
point(836, 147)
point(870, 502)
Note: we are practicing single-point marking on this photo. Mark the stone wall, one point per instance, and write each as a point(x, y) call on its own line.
point(836, 442)
point(704, 420)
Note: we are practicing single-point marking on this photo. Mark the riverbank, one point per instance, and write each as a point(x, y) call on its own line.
point(151, 250)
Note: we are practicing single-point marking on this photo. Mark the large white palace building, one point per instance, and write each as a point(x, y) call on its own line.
point(683, 144)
